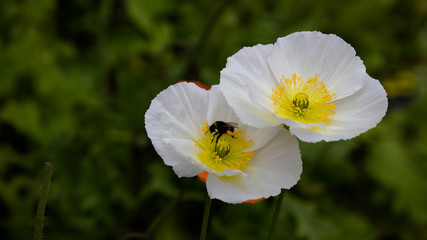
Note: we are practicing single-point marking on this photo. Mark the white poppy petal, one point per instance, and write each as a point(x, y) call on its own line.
point(218, 109)
point(365, 108)
point(226, 172)
point(245, 69)
point(311, 53)
point(355, 114)
point(181, 164)
point(308, 135)
point(278, 163)
point(262, 135)
point(177, 111)
point(292, 123)
point(173, 117)
point(235, 189)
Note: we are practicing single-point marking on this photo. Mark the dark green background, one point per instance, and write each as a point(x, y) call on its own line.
point(76, 78)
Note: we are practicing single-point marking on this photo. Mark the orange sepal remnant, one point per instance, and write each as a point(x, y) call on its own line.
point(201, 85)
point(203, 176)
point(254, 200)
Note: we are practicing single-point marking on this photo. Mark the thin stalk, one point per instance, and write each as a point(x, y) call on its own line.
point(276, 215)
point(168, 208)
point(208, 202)
point(44, 192)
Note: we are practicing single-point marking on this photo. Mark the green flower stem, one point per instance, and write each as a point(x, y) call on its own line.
point(208, 202)
point(169, 207)
point(44, 192)
point(276, 215)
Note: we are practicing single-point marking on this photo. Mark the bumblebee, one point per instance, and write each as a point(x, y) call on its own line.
point(218, 128)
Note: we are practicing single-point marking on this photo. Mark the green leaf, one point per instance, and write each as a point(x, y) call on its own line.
point(310, 223)
point(392, 166)
point(25, 116)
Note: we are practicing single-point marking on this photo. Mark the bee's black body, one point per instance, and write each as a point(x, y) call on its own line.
point(218, 128)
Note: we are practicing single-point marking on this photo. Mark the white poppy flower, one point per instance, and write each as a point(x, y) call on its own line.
point(242, 162)
point(312, 82)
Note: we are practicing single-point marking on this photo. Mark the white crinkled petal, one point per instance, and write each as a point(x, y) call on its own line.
point(172, 119)
point(261, 135)
point(226, 172)
point(218, 108)
point(235, 189)
point(278, 164)
point(275, 166)
point(291, 123)
point(245, 70)
point(355, 114)
point(177, 111)
point(181, 164)
point(311, 53)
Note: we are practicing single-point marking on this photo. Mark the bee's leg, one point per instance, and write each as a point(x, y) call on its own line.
point(230, 133)
point(216, 142)
point(214, 135)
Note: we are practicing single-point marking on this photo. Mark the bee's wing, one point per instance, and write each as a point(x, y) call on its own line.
point(233, 124)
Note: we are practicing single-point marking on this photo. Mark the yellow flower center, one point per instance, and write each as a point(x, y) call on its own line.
point(226, 153)
point(303, 101)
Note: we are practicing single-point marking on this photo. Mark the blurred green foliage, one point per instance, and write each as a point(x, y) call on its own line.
point(76, 78)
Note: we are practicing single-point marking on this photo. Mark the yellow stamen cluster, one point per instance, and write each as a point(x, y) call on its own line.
point(303, 101)
point(228, 153)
